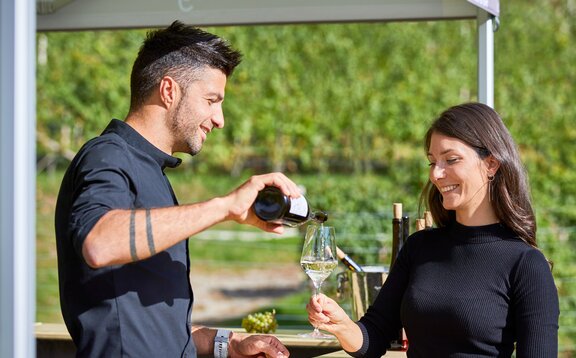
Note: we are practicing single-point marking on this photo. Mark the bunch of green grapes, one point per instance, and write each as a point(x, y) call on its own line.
point(260, 322)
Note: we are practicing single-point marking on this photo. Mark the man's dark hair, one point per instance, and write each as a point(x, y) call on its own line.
point(179, 51)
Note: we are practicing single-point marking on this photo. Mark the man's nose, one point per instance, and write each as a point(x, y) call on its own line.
point(218, 118)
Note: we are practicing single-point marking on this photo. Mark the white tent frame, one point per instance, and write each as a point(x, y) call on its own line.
point(18, 26)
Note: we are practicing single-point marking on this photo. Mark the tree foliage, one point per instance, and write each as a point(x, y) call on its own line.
point(344, 97)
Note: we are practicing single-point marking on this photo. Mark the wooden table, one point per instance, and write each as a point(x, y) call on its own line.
point(342, 354)
point(301, 347)
point(52, 331)
point(53, 341)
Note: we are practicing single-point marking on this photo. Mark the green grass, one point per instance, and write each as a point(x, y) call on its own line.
point(241, 251)
point(47, 298)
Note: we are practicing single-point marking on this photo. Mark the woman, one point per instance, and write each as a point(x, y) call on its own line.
point(476, 285)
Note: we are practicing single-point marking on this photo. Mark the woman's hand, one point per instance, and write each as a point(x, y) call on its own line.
point(325, 314)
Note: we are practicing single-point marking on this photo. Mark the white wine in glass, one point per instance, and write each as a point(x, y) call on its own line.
point(318, 260)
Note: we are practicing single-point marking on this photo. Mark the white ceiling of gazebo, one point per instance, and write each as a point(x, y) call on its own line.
point(100, 14)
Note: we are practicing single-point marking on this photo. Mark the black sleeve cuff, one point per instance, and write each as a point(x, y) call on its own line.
point(365, 342)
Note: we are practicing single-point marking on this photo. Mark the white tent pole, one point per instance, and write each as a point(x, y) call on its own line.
point(485, 23)
point(17, 178)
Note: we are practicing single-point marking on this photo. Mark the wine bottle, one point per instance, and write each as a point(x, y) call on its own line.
point(428, 220)
point(346, 260)
point(405, 228)
point(396, 232)
point(399, 233)
point(420, 224)
point(274, 206)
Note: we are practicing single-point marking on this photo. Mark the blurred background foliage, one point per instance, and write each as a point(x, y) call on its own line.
point(342, 108)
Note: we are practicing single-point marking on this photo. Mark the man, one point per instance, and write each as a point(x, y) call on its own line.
point(121, 235)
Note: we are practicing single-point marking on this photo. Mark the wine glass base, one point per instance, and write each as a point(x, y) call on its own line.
point(316, 335)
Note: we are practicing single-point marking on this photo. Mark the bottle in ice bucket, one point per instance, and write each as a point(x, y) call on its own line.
point(399, 236)
point(347, 260)
point(273, 206)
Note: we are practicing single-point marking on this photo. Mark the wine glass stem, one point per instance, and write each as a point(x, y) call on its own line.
point(316, 293)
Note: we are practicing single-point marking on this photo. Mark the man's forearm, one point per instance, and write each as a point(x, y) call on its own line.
point(203, 340)
point(123, 236)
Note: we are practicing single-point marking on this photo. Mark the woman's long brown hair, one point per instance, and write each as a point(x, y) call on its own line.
point(480, 127)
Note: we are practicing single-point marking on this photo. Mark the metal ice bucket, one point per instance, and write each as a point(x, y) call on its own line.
point(361, 288)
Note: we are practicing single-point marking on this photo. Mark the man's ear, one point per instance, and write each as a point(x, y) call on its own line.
point(169, 91)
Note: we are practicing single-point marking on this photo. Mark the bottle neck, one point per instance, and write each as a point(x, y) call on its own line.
point(319, 216)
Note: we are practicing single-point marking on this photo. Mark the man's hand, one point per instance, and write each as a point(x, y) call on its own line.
point(266, 346)
point(239, 202)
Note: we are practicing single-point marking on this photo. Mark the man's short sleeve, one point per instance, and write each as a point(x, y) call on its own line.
point(102, 182)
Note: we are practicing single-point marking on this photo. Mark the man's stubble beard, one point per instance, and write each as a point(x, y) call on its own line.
point(181, 128)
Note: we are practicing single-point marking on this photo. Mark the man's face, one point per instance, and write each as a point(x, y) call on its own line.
point(198, 111)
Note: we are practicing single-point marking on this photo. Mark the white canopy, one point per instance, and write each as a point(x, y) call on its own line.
point(97, 14)
point(19, 21)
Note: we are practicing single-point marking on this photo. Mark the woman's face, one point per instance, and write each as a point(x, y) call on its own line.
point(462, 179)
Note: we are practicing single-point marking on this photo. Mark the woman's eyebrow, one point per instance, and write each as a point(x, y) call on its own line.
point(446, 151)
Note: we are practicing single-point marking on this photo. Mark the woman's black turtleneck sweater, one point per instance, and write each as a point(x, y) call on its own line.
point(466, 292)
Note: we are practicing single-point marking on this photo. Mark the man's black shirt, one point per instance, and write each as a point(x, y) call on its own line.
point(140, 309)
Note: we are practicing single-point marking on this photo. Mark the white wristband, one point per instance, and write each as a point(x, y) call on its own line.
point(221, 343)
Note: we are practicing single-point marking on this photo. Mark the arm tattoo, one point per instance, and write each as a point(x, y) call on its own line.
point(149, 233)
point(133, 235)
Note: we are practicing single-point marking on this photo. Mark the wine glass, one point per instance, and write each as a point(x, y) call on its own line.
point(318, 260)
